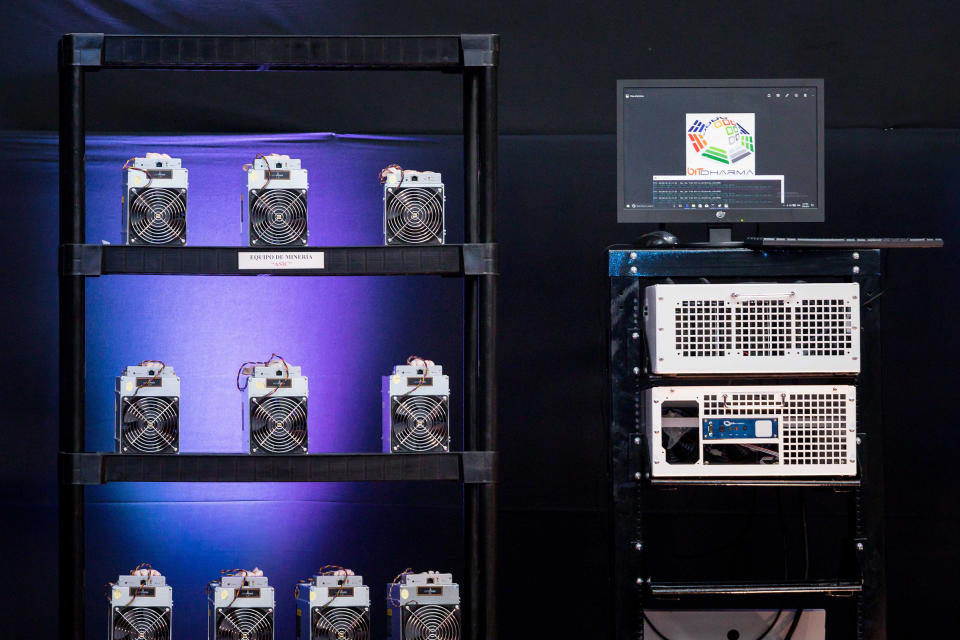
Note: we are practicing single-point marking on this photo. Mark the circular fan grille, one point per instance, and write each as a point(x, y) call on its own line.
point(141, 623)
point(245, 624)
point(432, 622)
point(150, 424)
point(158, 216)
point(279, 216)
point(415, 215)
point(420, 423)
point(341, 623)
point(279, 424)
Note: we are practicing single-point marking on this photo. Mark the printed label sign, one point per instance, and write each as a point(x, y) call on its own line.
point(280, 260)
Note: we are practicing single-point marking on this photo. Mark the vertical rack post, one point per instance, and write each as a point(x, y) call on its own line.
point(72, 342)
point(480, 410)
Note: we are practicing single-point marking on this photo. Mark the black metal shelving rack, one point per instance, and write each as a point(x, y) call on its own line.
point(475, 57)
point(634, 586)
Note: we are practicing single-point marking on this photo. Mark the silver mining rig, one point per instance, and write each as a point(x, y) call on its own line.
point(240, 606)
point(154, 201)
point(275, 410)
point(413, 208)
point(276, 202)
point(749, 430)
point(753, 328)
point(148, 409)
point(333, 607)
point(424, 606)
point(141, 607)
point(416, 409)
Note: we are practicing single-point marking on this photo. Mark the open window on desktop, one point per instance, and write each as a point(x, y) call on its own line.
point(720, 151)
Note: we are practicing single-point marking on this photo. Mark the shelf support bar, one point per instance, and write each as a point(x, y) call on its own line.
point(72, 378)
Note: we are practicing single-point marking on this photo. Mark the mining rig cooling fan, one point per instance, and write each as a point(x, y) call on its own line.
point(424, 606)
point(141, 607)
point(413, 208)
point(148, 410)
point(275, 418)
point(416, 409)
point(241, 607)
point(338, 606)
point(277, 202)
point(155, 201)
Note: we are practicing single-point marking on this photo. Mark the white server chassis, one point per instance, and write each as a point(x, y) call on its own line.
point(815, 425)
point(753, 328)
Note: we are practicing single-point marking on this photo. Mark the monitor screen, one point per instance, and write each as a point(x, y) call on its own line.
point(720, 151)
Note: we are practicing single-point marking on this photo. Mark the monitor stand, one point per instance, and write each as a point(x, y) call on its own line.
point(720, 237)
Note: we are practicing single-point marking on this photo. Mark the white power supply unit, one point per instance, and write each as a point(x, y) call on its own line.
point(275, 410)
point(141, 607)
point(276, 202)
point(762, 430)
point(753, 328)
point(154, 201)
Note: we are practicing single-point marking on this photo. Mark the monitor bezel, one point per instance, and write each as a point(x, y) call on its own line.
point(731, 216)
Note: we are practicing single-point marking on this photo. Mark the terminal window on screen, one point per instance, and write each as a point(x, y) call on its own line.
point(720, 147)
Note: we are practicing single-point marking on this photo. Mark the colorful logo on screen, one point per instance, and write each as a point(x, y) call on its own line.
point(721, 139)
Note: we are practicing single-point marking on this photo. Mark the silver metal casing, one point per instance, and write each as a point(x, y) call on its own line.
point(240, 604)
point(416, 410)
point(275, 411)
point(154, 203)
point(414, 211)
point(424, 605)
point(141, 604)
point(147, 415)
point(277, 207)
point(753, 328)
point(328, 606)
point(752, 431)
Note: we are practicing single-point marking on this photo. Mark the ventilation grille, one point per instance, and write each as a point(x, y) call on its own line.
point(824, 328)
point(703, 328)
point(341, 623)
point(414, 215)
point(813, 425)
point(278, 424)
point(419, 424)
point(244, 623)
point(150, 424)
point(278, 217)
point(431, 622)
point(763, 328)
point(814, 429)
point(141, 623)
point(157, 216)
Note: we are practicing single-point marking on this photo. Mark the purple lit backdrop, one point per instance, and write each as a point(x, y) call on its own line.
point(344, 332)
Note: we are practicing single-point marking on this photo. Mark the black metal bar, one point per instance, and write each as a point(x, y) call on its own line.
point(72, 230)
point(444, 260)
point(487, 345)
point(662, 589)
point(473, 467)
point(755, 482)
point(296, 53)
point(471, 494)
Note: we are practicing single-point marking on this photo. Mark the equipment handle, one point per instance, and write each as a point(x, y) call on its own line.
point(758, 296)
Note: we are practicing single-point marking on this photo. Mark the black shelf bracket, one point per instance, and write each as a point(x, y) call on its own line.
point(471, 467)
point(80, 260)
point(82, 50)
point(481, 259)
point(480, 50)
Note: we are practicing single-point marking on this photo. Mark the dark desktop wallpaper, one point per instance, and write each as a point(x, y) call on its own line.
point(891, 148)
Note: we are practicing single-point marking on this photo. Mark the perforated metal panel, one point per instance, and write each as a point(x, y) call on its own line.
point(753, 328)
point(812, 430)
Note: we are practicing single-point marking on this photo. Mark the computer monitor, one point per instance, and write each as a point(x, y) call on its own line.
point(720, 151)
